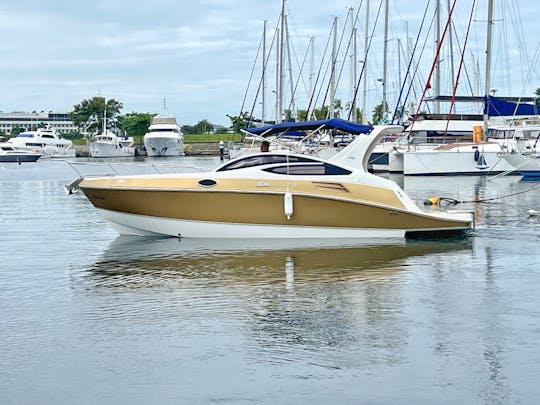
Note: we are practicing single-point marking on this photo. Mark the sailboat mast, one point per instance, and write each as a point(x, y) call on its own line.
point(289, 64)
point(488, 64)
point(366, 43)
point(385, 56)
point(437, 87)
point(451, 44)
point(263, 84)
point(353, 67)
point(333, 70)
point(279, 113)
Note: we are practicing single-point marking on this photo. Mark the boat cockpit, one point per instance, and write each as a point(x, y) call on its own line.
point(285, 164)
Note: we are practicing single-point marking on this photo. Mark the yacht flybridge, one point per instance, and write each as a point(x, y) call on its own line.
point(273, 195)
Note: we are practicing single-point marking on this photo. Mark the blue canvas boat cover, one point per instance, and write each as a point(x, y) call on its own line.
point(334, 123)
point(496, 107)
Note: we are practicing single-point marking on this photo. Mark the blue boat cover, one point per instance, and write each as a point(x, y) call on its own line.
point(333, 123)
point(496, 107)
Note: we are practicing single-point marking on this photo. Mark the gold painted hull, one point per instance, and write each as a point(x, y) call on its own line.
point(316, 205)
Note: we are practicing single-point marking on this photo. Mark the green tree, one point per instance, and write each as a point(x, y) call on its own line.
point(301, 115)
point(238, 121)
point(337, 108)
point(188, 129)
point(379, 113)
point(88, 114)
point(16, 130)
point(204, 127)
point(288, 115)
point(320, 113)
point(135, 124)
point(359, 114)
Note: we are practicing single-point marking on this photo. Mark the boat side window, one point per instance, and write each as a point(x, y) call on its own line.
point(263, 159)
point(314, 169)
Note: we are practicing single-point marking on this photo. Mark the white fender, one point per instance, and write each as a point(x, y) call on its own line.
point(288, 204)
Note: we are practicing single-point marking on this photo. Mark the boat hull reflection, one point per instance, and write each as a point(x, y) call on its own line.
point(240, 260)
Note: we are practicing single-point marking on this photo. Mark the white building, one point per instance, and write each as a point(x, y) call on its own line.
point(59, 121)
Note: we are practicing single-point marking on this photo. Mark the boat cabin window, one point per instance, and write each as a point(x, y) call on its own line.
point(25, 135)
point(264, 159)
point(315, 169)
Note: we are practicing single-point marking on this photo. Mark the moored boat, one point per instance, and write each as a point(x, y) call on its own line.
point(9, 154)
point(109, 144)
point(44, 141)
point(164, 138)
point(528, 165)
point(272, 195)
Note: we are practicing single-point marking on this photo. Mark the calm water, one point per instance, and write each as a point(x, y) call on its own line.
point(90, 317)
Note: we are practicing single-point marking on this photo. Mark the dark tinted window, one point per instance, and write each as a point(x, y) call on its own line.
point(318, 169)
point(263, 159)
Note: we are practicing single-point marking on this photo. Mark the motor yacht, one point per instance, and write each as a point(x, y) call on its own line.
point(9, 154)
point(108, 144)
point(44, 141)
point(272, 195)
point(164, 138)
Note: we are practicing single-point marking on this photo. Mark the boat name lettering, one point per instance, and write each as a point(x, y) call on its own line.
point(262, 184)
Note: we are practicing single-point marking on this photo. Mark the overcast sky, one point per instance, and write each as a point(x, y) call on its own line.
point(198, 55)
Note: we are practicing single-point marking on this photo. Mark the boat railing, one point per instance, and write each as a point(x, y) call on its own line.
point(417, 142)
point(93, 169)
point(112, 169)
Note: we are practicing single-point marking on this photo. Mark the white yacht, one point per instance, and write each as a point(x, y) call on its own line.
point(164, 137)
point(109, 144)
point(9, 154)
point(44, 141)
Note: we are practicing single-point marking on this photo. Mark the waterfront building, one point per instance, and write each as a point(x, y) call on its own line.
point(60, 121)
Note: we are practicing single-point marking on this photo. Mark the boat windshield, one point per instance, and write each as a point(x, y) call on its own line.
point(264, 159)
point(311, 169)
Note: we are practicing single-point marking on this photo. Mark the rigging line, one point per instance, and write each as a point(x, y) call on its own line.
point(428, 84)
point(416, 74)
point(498, 198)
point(267, 58)
point(528, 77)
point(346, 50)
point(318, 76)
point(300, 66)
point(298, 78)
point(332, 72)
point(355, 22)
point(457, 38)
point(357, 87)
point(453, 101)
point(320, 89)
point(520, 35)
point(409, 65)
point(251, 75)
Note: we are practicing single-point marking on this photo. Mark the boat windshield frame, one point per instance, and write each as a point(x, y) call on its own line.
point(264, 159)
